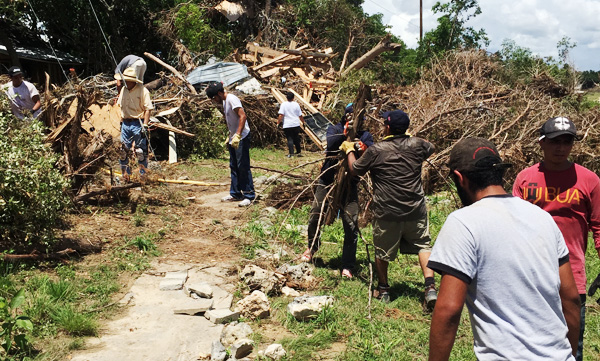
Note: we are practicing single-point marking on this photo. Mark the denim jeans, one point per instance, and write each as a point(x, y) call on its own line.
point(349, 215)
point(131, 132)
point(579, 356)
point(241, 176)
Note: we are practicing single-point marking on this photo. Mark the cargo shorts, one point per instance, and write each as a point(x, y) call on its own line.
point(410, 237)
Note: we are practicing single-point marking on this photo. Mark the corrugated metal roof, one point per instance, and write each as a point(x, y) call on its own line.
point(228, 73)
point(43, 55)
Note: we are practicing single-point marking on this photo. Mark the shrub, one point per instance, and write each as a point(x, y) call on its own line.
point(32, 191)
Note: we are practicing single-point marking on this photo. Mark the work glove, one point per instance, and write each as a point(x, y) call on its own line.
point(347, 147)
point(235, 141)
point(360, 146)
point(348, 126)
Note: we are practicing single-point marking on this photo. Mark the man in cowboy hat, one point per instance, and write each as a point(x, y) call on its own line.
point(134, 100)
point(131, 61)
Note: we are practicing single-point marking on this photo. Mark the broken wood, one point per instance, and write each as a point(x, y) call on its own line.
point(85, 197)
point(312, 54)
point(382, 46)
point(174, 71)
point(171, 129)
point(36, 255)
point(272, 61)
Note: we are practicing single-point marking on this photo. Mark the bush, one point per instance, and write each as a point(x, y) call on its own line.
point(32, 191)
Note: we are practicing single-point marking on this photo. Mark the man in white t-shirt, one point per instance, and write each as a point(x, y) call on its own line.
point(24, 97)
point(238, 144)
point(507, 259)
point(290, 115)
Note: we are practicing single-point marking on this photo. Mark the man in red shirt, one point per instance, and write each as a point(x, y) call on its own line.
point(570, 193)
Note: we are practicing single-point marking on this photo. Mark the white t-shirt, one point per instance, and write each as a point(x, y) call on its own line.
point(508, 252)
point(291, 114)
point(233, 120)
point(21, 98)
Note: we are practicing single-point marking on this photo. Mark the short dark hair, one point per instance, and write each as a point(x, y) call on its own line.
point(289, 96)
point(482, 179)
point(213, 89)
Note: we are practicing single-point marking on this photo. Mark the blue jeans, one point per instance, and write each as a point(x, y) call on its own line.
point(579, 356)
point(241, 176)
point(131, 132)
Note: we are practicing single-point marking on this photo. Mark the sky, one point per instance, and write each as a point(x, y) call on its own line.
point(534, 24)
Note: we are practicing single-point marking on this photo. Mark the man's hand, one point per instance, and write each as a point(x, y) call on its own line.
point(152, 124)
point(348, 127)
point(235, 141)
point(347, 147)
point(360, 146)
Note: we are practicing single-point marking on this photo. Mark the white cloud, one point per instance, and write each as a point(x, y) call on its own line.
point(534, 24)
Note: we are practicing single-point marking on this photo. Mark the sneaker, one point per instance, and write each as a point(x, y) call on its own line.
point(346, 273)
point(245, 203)
point(230, 198)
point(306, 256)
point(382, 293)
point(290, 155)
point(430, 298)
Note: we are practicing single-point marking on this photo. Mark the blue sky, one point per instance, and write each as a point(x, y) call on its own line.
point(535, 24)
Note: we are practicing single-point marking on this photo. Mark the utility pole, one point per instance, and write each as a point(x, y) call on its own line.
point(421, 20)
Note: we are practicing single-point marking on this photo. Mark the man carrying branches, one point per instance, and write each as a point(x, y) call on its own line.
point(399, 213)
point(336, 135)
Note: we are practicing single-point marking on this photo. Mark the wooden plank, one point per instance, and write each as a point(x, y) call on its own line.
point(276, 59)
point(172, 129)
point(306, 54)
point(172, 145)
point(269, 73)
point(298, 97)
point(173, 70)
point(255, 48)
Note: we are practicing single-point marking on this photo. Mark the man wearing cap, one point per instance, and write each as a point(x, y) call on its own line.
point(336, 135)
point(238, 144)
point(136, 105)
point(290, 116)
point(399, 212)
point(508, 261)
point(131, 61)
point(570, 193)
point(24, 97)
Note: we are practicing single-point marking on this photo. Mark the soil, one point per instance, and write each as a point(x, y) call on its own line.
point(199, 237)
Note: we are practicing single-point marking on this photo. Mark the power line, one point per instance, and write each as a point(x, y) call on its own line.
point(104, 35)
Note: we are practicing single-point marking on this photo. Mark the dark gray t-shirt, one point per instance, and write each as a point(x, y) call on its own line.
point(395, 166)
point(126, 63)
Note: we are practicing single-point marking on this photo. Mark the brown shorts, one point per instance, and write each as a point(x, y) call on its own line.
point(410, 237)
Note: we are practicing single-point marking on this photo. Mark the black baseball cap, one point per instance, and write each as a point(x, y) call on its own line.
point(557, 126)
point(475, 154)
point(14, 70)
point(213, 89)
point(396, 119)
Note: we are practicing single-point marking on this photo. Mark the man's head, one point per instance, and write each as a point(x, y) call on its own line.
point(477, 160)
point(289, 96)
point(396, 121)
point(130, 78)
point(16, 75)
point(215, 92)
point(556, 140)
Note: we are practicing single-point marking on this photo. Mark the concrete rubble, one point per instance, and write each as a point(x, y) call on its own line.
point(222, 315)
point(289, 292)
point(274, 352)
point(193, 307)
point(173, 281)
point(306, 307)
point(254, 306)
point(259, 279)
point(241, 348)
point(301, 272)
point(235, 331)
point(218, 352)
point(203, 290)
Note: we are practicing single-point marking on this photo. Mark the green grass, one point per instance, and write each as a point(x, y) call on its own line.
point(396, 331)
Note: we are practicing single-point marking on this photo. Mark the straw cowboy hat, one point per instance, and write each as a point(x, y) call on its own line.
point(128, 74)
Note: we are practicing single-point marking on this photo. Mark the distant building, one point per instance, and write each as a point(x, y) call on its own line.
point(36, 62)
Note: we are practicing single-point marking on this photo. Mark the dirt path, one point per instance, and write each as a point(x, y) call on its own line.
point(148, 329)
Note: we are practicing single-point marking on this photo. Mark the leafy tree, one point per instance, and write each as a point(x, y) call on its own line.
point(589, 79)
point(452, 31)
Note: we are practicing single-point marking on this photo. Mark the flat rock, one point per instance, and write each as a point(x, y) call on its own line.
point(306, 307)
point(221, 315)
point(218, 352)
point(193, 307)
point(241, 348)
point(173, 281)
point(203, 290)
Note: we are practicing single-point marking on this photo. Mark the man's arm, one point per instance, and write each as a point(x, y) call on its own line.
point(279, 119)
point(446, 317)
point(351, 160)
point(242, 114)
point(571, 303)
point(301, 120)
point(38, 103)
point(146, 117)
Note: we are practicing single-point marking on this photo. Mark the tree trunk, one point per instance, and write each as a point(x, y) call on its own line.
point(12, 53)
